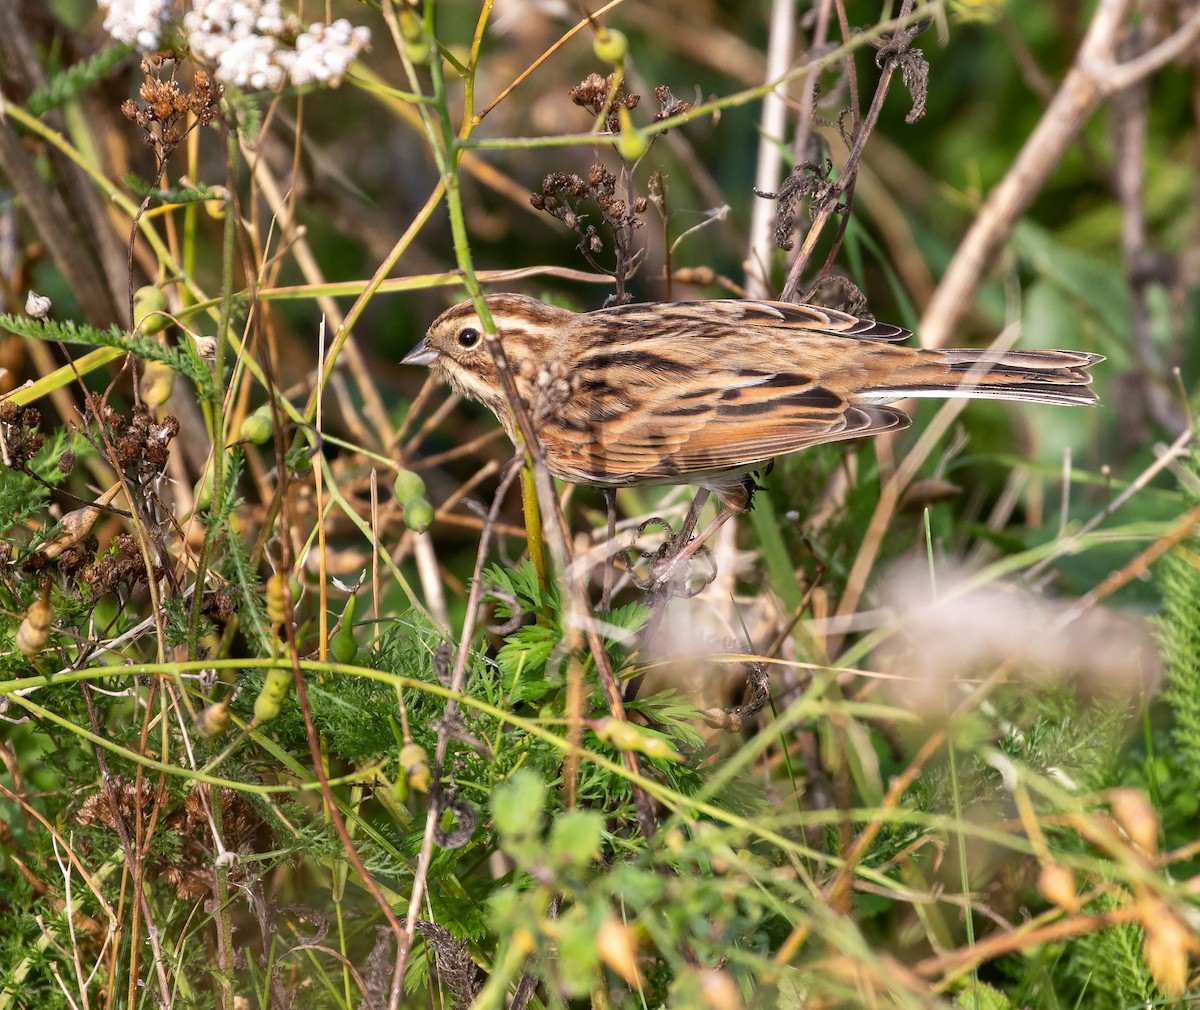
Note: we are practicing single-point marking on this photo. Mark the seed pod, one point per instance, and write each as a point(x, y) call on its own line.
point(157, 384)
point(657, 747)
point(418, 52)
point(77, 524)
point(415, 762)
point(34, 632)
point(1166, 949)
point(270, 698)
point(1057, 884)
point(921, 493)
point(616, 943)
point(275, 606)
point(418, 514)
point(412, 35)
point(342, 646)
point(259, 426)
point(719, 991)
point(1135, 813)
point(411, 28)
point(632, 142)
point(407, 486)
point(149, 310)
point(610, 46)
point(214, 719)
point(626, 736)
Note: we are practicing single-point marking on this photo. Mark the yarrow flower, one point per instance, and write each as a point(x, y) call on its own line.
point(135, 22)
point(250, 44)
point(247, 44)
point(324, 52)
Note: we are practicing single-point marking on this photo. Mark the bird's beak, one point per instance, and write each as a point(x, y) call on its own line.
point(422, 354)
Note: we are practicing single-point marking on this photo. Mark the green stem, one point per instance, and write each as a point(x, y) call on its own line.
point(533, 523)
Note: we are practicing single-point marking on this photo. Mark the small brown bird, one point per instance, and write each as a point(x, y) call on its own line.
point(706, 392)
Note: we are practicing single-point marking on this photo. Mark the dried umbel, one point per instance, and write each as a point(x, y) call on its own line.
point(164, 108)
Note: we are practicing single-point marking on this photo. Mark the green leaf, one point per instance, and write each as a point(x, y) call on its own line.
point(522, 661)
point(577, 952)
point(575, 838)
point(517, 804)
point(137, 344)
point(1098, 284)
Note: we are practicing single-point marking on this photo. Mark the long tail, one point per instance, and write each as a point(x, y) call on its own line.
point(1033, 376)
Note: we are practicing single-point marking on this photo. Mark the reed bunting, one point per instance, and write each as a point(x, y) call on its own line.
point(705, 393)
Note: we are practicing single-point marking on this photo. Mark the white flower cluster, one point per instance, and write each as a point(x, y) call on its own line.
point(135, 22)
point(243, 40)
point(325, 52)
point(250, 44)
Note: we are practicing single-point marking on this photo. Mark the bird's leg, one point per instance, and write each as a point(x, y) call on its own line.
point(680, 540)
point(672, 563)
point(681, 546)
point(610, 504)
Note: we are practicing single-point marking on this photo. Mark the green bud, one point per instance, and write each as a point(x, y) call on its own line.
point(418, 514)
point(408, 486)
point(259, 426)
point(149, 304)
point(610, 45)
point(342, 646)
point(632, 142)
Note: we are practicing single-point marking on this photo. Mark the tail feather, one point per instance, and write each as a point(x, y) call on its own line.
point(1058, 377)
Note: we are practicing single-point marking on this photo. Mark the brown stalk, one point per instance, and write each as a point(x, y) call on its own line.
point(844, 188)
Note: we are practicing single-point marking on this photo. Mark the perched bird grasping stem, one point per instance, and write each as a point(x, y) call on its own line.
point(705, 393)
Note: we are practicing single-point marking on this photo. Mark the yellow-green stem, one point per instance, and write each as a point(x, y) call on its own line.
point(533, 523)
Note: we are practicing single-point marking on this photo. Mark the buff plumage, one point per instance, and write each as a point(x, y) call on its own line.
point(706, 392)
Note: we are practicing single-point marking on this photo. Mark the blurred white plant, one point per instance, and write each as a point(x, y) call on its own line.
point(249, 44)
point(135, 22)
point(950, 638)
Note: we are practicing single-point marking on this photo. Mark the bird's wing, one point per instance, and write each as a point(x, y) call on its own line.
point(665, 427)
point(735, 314)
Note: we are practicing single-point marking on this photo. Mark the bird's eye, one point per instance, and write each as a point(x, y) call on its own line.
point(468, 338)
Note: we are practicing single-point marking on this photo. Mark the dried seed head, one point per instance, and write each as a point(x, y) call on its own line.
point(37, 306)
point(1057, 885)
point(1166, 948)
point(1136, 815)
point(34, 632)
point(616, 943)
